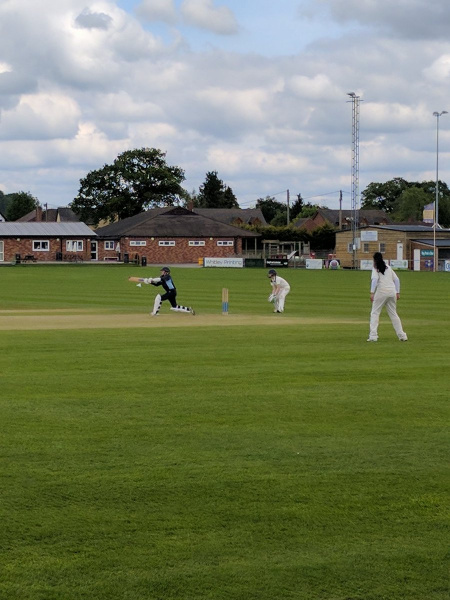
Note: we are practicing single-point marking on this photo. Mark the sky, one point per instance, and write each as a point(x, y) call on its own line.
point(256, 90)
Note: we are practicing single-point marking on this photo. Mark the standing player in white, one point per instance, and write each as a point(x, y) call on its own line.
point(280, 289)
point(384, 291)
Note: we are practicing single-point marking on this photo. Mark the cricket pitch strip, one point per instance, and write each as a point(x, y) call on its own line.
point(45, 320)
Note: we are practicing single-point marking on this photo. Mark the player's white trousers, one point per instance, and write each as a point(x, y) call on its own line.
point(390, 302)
point(157, 304)
point(280, 298)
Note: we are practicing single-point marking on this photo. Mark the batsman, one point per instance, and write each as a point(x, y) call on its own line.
point(165, 280)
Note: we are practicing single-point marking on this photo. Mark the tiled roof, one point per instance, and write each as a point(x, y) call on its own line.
point(228, 215)
point(10, 229)
point(440, 243)
point(171, 222)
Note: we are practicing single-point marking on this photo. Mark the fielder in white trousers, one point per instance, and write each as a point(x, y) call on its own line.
point(385, 291)
point(280, 289)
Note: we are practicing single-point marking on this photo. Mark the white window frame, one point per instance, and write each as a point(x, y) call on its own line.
point(196, 242)
point(225, 242)
point(136, 243)
point(382, 247)
point(166, 243)
point(109, 245)
point(74, 245)
point(41, 245)
point(366, 247)
point(350, 247)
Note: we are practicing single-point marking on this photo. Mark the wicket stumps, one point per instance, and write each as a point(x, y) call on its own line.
point(224, 301)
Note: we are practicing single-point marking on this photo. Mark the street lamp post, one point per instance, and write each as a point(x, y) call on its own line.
point(436, 200)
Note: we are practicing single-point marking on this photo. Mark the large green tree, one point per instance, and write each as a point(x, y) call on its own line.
point(20, 204)
point(296, 208)
point(409, 205)
point(404, 200)
point(213, 193)
point(3, 203)
point(383, 196)
point(272, 209)
point(137, 180)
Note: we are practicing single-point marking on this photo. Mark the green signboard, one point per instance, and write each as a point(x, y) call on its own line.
point(427, 253)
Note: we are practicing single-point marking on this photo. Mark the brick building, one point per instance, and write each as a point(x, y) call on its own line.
point(45, 241)
point(411, 243)
point(172, 235)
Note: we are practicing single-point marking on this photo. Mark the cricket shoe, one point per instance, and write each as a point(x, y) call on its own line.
point(152, 314)
point(372, 340)
point(192, 311)
point(403, 339)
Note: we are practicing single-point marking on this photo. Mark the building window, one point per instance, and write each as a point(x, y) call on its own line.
point(350, 248)
point(196, 242)
point(382, 247)
point(74, 245)
point(166, 243)
point(41, 245)
point(138, 243)
point(366, 248)
point(109, 245)
point(225, 243)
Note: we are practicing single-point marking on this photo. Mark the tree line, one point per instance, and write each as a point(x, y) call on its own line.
point(141, 179)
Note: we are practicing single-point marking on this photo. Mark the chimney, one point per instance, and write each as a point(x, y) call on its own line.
point(38, 214)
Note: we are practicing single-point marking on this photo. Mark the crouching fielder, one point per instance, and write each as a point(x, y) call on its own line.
point(384, 291)
point(280, 289)
point(166, 281)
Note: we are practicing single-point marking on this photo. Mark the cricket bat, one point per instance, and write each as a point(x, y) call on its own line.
point(136, 279)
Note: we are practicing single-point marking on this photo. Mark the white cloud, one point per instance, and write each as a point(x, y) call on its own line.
point(158, 10)
point(5, 68)
point(41, 116)
point(413, 19)
point(203, 14)
point(439, 70)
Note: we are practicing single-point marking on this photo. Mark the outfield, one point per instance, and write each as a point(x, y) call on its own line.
point(244, 457)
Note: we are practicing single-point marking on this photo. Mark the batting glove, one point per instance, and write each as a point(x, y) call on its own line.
point(271, 298)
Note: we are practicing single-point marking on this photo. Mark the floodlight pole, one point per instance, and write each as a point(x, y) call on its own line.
point(355, 170)
point(436, 201)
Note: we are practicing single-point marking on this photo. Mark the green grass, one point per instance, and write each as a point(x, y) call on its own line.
point(243, 463)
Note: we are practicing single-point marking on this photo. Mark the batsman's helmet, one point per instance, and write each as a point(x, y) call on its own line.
point(271, 273)
point(165, 269)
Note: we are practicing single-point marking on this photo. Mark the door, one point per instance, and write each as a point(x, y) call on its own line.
point(94, 250)
point(399, 251)
point(2, 255)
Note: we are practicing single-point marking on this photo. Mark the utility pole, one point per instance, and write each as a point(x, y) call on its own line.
point(287, 203)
